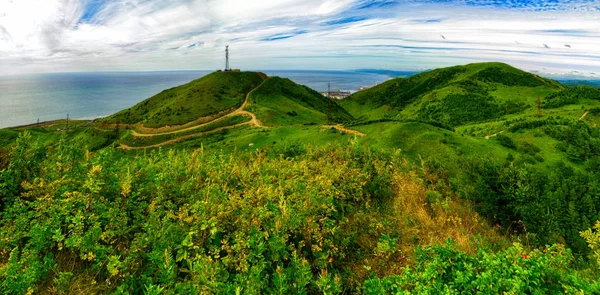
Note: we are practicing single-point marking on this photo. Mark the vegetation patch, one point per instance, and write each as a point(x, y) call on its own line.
point(509, 77)
point(208, 95)
point(571, 95)
point(280, 102)
point(443, 269)
point(400, 92)
point(459, 109)
point(296, 220)
point(142, 141)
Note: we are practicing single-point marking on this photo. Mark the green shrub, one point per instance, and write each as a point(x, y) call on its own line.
point(570, 95)
point(506, 141)
point(444, 270)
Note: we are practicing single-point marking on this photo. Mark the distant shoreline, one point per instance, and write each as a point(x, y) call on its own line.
point(52, 122)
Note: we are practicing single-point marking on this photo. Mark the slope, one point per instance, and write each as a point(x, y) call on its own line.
point(280, 102)
point(219, 92)
point(453, 96)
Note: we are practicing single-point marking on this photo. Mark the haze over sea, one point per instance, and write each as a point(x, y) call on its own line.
point(24, 99)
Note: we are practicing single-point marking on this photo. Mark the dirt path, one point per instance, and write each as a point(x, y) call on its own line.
point(341, 128)
point(172, 141)
point(240, 111)
point(494, 135)
point(584, 115)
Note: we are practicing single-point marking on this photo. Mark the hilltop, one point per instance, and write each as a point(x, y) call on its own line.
point(276, 102)
point(279, 102)
point(216, 93)
point(453, 96)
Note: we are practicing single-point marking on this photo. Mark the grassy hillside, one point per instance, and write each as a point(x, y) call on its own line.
point(453, 96)
point(211, 94)
point(447, 169)
point(280, 102)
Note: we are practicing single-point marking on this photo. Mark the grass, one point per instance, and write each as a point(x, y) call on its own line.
point(281, 102)
point(294, 113)
point(213, 93)
point(423, 141)
point(408, 98)
point(142, 141)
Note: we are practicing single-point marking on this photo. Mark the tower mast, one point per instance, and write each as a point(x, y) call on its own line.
point(226, 58)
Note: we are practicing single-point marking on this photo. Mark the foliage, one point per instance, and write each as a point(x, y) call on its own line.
point(458, 109)
point(292, 220)
point(592, 237)
point(509, 77)
point(7, 136)
point(506, 141)
point(571, 95)
point(578, 140)
point(444, 270)
point(548, 206)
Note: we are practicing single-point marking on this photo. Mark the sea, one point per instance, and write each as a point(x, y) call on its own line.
point(25, 99)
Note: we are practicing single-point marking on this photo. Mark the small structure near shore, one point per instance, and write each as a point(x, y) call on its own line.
point(336, 94)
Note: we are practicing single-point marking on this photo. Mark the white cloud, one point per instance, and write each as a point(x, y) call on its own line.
point(50, 35)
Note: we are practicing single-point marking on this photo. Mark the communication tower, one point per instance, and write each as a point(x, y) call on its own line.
point(227, 58)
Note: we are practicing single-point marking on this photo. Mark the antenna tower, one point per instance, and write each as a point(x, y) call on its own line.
point(227, 58)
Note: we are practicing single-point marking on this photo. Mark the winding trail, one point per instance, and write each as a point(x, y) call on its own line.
point(172, 141)
point(494, 135)
point(238, 112)
point(341, 128)
point(584, 115)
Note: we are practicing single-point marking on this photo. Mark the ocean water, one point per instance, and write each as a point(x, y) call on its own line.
point(27, 98)
point(339, 80)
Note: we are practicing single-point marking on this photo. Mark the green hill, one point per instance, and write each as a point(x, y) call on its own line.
point(453, 96)
point(215, 93)
point(280, 102)
point(447, 180)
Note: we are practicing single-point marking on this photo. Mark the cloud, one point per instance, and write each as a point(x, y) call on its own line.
point(113, 35)
point(345, 20)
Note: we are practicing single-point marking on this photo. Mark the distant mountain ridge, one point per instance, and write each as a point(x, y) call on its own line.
point(453, 96)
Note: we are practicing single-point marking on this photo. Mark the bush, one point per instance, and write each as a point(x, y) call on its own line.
point(570, 96)
point(506, 141)
point(444, 270)
point(592, 237)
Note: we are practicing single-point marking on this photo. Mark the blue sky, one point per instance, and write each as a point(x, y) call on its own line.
point(551, 37)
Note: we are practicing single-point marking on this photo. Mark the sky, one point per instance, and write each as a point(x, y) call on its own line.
point(553, 37)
